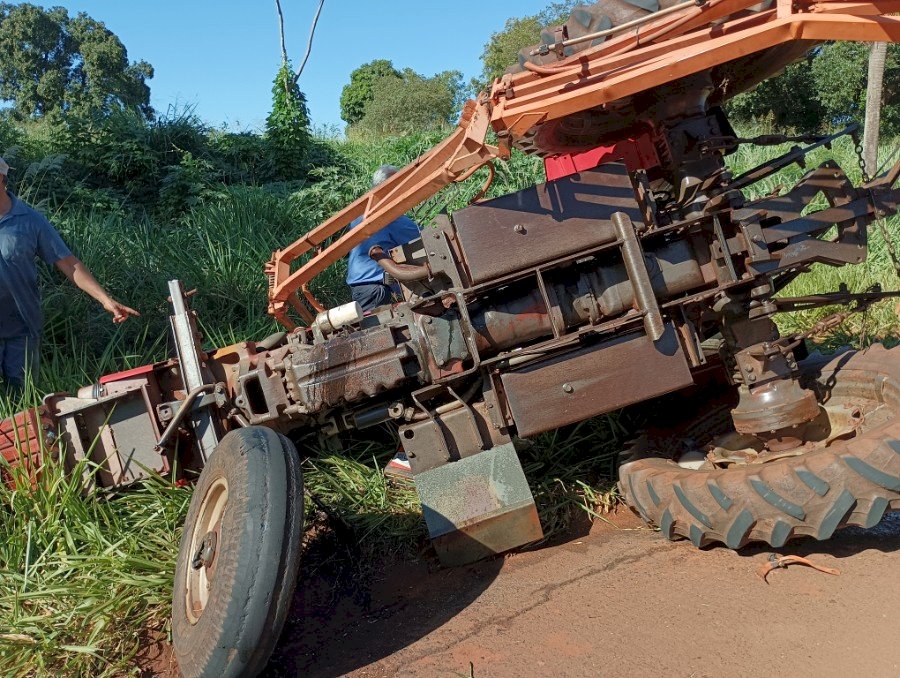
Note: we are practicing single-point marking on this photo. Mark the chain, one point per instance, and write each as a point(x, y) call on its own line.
point(857, 146)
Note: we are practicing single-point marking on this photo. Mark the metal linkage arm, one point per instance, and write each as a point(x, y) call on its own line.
point(454, 160)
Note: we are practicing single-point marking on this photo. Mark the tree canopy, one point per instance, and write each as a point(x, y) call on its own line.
point(826, 90)
point(361, 88)
point(51, 62)
point(412, 102)
point(381, 100)
point(502, 50)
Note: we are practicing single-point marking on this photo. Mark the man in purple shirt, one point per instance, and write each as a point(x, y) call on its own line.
point(25, 235)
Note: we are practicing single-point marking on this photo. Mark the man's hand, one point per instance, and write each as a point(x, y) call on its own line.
point(73, 268)
point(119, 312)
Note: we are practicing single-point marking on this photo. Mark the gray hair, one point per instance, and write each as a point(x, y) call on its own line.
point(382, 174)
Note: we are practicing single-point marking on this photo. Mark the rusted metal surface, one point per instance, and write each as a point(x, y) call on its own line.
point(478, 506)
point(595, 380)
point(350, 368)
point(633, 256)
point(450, 436)
point(545, 222)
point(116, 433)
point(24, 440)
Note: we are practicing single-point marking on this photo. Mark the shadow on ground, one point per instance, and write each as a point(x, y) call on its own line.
point(349, 612)
point(849, 541)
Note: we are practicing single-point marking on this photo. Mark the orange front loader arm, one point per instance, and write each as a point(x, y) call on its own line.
point(453, 160)
point(684, 42)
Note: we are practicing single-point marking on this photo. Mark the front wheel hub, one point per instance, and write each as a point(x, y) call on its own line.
point(206, 554)
point(205, 538)
point(772, 410)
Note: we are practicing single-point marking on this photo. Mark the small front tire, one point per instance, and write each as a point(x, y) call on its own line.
point(239, 556)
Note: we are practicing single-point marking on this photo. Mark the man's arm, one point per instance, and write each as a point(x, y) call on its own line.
point(73, 268)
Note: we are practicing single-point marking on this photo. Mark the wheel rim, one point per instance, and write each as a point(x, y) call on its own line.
point(206, 538)
point(843, 415)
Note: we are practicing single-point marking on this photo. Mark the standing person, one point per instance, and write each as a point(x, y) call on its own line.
point(364, 276)
point(367, 285)
point(26, 234)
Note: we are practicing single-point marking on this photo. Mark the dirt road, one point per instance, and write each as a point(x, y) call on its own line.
point(621, 602)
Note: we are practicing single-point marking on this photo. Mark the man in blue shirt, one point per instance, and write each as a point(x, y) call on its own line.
point(364, 276)
point(366, 280)
point(25, 234)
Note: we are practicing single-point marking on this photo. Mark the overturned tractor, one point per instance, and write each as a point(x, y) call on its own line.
point(639, 269)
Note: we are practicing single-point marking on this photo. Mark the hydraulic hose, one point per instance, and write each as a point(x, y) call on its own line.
point(401, 272)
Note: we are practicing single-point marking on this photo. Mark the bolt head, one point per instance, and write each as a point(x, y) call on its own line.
point(568, 388)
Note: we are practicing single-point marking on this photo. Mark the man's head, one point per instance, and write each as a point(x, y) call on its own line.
point(4, 172)
point(382, 174)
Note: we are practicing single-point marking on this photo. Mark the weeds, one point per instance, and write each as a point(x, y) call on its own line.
point(83, 580)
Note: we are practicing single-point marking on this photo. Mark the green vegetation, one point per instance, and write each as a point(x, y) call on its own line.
point(287, 125)
point(361, 88)
point(379, 100)
point(73, 568)
point(831, 86)
point(51, 63)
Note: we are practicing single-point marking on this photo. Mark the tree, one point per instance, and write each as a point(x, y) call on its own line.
point(360, 90)
point(412, 102)
point(287, 126)
point(53, 63)
point(502, 51)
point(874, 94)
point(825, 91)
point(789, 101)
point(841, 76)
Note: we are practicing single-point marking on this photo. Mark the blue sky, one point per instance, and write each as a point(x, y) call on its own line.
point(221, 55)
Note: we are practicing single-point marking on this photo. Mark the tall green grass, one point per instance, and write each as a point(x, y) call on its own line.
point(84, 581)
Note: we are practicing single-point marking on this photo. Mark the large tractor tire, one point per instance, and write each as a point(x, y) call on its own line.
point(850, 476)
point(586, 130)
point(239, 556)
point(586, 20)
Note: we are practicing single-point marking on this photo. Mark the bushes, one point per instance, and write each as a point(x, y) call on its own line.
point(124, 162)
point(380, 100)
point(287, 127)
point(826, 90)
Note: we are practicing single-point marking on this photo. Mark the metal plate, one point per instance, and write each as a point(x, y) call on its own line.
point(117, 434)
point(595, 380)
point(478, 506)
point(551, 220)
